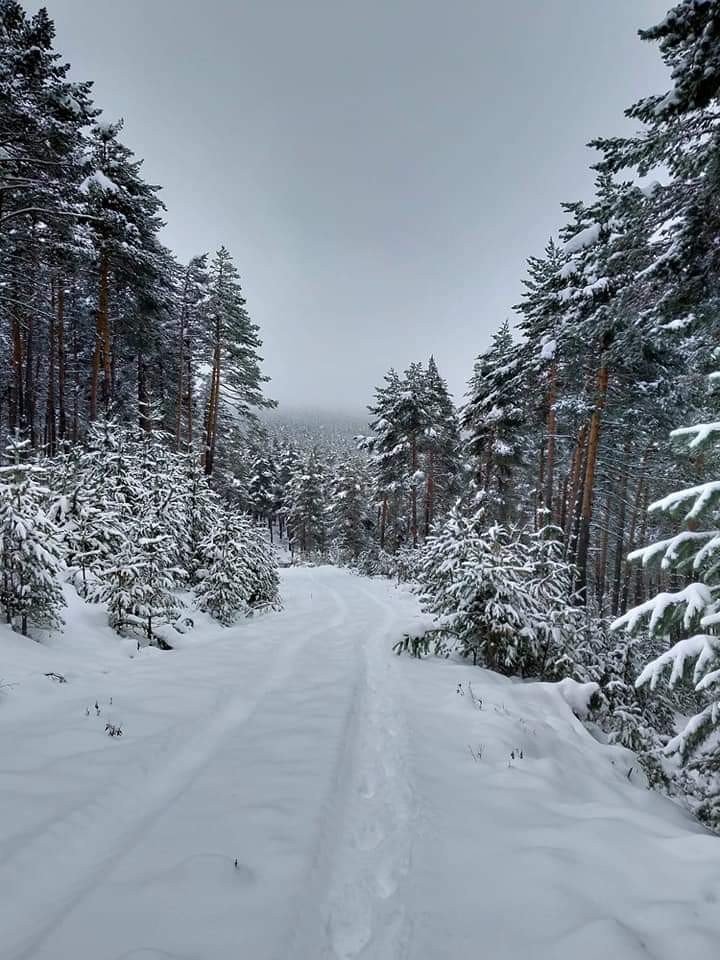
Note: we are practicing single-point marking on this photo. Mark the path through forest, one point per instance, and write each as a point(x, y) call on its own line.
point(376, 811)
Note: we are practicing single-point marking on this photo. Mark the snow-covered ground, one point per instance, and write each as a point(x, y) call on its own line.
point(375, 812)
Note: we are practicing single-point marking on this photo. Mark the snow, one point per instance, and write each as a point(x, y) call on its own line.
point(700, 433)
point(578, 696)
point(584, 238)
point(548, 350)
point(379, 807)
point(695, 598)
point(101, 181)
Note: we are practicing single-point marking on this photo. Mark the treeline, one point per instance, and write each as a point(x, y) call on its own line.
point(97, 317)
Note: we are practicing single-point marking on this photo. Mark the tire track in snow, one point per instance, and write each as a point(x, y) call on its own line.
point(350, 908)
point(112, 824)
point(366, 917)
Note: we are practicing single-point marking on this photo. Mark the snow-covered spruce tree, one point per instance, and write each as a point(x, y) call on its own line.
point(350, 522)
point(306, 512)
point(30, 554)
point(690, 616)
point(240, 573)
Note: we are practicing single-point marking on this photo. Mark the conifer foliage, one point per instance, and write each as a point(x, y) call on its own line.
point(30, 554)
point(690, 614)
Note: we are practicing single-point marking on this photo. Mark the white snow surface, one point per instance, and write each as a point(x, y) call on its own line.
point(372, 802)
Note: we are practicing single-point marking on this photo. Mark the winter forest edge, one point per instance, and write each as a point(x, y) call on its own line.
point(562, 522)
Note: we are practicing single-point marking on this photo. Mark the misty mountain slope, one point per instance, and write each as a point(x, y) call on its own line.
point(375, 810)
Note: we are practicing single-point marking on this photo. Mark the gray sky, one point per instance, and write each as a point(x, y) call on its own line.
point(379, 169)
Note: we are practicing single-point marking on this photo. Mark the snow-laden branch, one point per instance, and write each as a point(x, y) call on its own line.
point(700, 433)
point(696, 597)
point(670, 548)
point(701, 494)
point(703, 648)
point(707, 717)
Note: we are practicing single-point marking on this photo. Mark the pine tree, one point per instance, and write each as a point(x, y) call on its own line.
point(441, 449)
point(350, 522)
point(233, 342)
point(691, 614)
point(306, 516)
point(30, 554)
point(239, 574)
point(262, 488)
point(493, 417)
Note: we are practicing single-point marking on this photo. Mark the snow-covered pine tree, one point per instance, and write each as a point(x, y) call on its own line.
point(504, 597)
point(470, 577)
point(261, 491)
point(139, 586)
point(493, 417)
point(307, 507)
point(441, 449)
point(410, 448)
point(191, 303)
point(233, 341)
point(30, 553)
point(240, 573)
point(202, 510)
point(90, 534)
point(690, 615)
point(349, 511)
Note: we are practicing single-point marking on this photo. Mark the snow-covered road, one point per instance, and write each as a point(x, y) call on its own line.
point(375, 812)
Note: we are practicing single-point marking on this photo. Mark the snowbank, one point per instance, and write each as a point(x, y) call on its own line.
point(291, 788)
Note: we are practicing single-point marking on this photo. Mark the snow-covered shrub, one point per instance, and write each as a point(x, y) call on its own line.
point(502, 596)
point(239, 573)
point(30, 552)
point(401, 565)
point(139, 522)
point(375, 562)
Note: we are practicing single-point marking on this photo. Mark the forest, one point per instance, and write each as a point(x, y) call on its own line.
point(560, 520)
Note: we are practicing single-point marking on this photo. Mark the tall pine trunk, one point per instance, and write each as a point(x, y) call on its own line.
point(50, 415)
point(551, 428)
point(101, 353)
point(60, 346)
point(588, 492)
point(620, 548)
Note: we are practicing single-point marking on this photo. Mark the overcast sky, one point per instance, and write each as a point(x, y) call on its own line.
point(379, 169)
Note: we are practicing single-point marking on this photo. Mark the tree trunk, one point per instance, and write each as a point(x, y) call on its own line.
point(50, 419)
point(60, 342)
point(589, 479)
point(573, 498)
point(620, 548)
point(551, 428)
point(101, 353)
point(383, 522)
point(413, 495)
point(212, 411)
point(430, 494)
point(601, 565)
